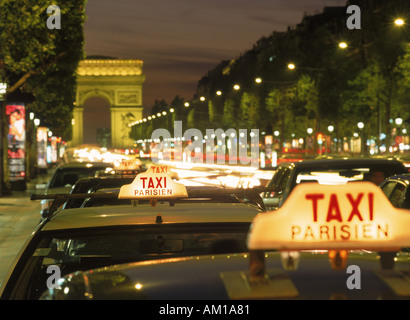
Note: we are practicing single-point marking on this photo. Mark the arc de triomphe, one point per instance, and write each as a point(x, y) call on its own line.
point(120, 83)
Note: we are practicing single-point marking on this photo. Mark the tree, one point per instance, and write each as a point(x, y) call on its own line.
point(42, 61)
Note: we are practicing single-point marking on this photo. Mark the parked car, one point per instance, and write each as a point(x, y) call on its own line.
point(172, 222)
point(65, 176)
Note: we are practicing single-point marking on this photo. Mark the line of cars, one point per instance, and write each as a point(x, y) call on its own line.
point(201, 245)
point(86, 234)
point(298, 252)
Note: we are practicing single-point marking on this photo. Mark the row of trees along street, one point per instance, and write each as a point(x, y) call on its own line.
point(39, 65)
point(365, 80)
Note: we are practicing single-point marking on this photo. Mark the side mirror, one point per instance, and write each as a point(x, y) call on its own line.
point(45, 213)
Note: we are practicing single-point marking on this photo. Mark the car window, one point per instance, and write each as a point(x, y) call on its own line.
point(280, 177)
point(397, 195)
point(84, 250)
point(406, 201)
point(99, 202)
point(94, 185)
point(69, 176)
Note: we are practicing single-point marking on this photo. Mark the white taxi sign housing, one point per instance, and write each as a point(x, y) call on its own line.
point(128, 164)
point(356, 215)
point(155, 183)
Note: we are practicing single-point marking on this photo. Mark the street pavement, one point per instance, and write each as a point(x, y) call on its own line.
point(18, 218)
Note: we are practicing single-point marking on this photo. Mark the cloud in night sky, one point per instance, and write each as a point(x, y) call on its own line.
point(179, 41)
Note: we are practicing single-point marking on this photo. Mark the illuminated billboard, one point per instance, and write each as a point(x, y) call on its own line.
point(16, 138)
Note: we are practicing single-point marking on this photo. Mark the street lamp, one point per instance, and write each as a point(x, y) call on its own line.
point(309, 132)
point(398, 121)
point(330, 129)
point(291, 66)
point(360, 125)
point(399, 22)
point(236, 87)
point(343, 45)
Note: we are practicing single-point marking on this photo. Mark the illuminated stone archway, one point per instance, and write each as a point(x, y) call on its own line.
point(120, 83)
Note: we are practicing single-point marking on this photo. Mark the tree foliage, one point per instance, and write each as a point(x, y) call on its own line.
point(369, 81)
point(40, 60)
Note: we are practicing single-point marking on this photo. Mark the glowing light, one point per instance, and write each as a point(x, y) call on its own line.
point(399, 22)
point(343, 45)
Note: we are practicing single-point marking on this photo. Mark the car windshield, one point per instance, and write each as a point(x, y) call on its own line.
point(85, 249)
point(333, 176)
point(69, 176)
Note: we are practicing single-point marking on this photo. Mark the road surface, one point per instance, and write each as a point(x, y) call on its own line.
point(18, 218)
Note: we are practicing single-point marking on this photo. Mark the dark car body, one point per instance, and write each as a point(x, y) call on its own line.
point(93, 184)
point(226, 276)
point(288, 175)
point(86, 238)
point(326, 242)
point(66, 175)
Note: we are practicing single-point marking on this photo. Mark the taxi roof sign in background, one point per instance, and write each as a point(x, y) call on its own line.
point(128, 164)
point(356, 215)
point(155, 183)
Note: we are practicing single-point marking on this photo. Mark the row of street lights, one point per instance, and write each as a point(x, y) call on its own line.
point(291, 66)
point(151, 117)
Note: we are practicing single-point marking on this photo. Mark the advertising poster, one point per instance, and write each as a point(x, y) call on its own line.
point(16, 137)
point(42, 147)
point(54, 151)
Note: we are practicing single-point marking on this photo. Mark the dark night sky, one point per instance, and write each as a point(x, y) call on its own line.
point(179, 41)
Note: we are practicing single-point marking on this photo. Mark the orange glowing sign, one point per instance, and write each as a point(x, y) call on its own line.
point(352, 216)
point(153, 184)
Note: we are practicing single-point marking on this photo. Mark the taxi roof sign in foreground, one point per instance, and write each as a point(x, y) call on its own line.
point(322, 217)
point(155, 183)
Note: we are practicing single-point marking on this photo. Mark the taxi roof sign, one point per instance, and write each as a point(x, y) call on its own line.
point(127, 164)
point(356, 215)
point(155, 183)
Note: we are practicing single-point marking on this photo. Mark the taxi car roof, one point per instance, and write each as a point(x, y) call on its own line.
point(146, 214)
